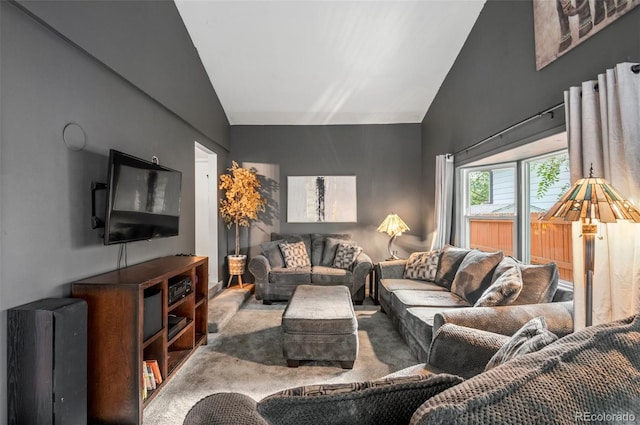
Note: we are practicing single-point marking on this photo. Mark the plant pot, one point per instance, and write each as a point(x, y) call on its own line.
point(237, 264)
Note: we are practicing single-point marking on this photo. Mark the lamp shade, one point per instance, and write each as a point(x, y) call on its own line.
point(393, 225)
point(593, 198)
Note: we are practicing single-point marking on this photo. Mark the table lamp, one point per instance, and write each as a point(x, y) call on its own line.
point(393, 226)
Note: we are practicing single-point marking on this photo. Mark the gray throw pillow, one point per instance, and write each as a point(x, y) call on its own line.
point(474, 274)
point(503, 291)
point(533, 336)
point(386, 401)
point(346, 255)
point(331, 246)
point(539, 282)
point(271, 250)
point(450, 259)
point(422, 265)
point(295, 254)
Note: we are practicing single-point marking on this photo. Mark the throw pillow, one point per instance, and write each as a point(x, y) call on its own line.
point(271, 250)
point(474, 274)
point(422, 265)
point(450, 259)
point(530, 338)
point(295, 254)
point(539, 282)
point(503, 291)
point(391, 401)
point(330, 248)
point(346, 255)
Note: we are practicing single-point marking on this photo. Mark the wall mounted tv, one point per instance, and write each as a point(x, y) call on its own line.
point(143, 200)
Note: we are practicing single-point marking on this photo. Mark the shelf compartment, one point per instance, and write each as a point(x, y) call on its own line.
point(175, 359)
point(181, 332)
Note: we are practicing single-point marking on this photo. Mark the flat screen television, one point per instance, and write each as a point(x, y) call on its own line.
point(143, 200)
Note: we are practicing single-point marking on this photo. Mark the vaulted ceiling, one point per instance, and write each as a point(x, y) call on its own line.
point(304, 62)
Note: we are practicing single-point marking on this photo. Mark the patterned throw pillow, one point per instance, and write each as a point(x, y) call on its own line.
point(422, 265)
point(533, 336)
point(391, 401)
point(504, 290)
point(295, 254)
point(346, 255)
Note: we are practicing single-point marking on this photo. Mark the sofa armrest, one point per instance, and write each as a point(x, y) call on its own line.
point(391, 269)
point(361, 269)
point(224, 409)
point(463, 351)
point(506, 320)
point(259, 267)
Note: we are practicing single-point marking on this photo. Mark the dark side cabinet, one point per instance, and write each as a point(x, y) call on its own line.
point(47, 363)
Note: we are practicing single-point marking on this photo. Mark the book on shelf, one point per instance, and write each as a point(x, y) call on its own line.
point(144, 386)
point(149, 380)
point(156, 371)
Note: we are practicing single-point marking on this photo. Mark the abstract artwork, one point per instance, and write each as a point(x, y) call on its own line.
point(318, 199)
point(560, 25)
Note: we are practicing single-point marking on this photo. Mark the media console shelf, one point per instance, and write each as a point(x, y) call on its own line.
point(128, 312)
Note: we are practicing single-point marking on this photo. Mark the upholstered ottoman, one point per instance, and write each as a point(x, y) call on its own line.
point(319, 323)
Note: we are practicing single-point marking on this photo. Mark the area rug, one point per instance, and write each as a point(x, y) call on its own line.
point(246, 357)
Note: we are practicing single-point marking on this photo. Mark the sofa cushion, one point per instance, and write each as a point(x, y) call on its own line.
point(331, 275)
point(287, 275)
point(532, 337)
point(450, 259)
point(475, 273)
point(419, 322)
point(503, 291)
point(593, 370)
point(271, 250)
point(390, 285)
point(295, 254)
point(539, 282)
point(346, 255)
point(422, 265)
point(391, 400)
point(294, 237)
point(323, 247)
point(401, 300)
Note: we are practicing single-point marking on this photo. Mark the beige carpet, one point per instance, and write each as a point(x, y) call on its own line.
point(246, 357)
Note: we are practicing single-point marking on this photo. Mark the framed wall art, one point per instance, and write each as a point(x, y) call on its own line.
point(560, 25)
point(317, 199)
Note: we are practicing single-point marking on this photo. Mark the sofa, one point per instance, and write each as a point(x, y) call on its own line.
point(592, 375)
point(472, 288)
point(331, 259)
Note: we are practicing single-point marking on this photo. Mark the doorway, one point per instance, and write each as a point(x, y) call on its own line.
point(206, 200)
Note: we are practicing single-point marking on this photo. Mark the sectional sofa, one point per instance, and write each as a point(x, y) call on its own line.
point(589, 376)
point(471, 288)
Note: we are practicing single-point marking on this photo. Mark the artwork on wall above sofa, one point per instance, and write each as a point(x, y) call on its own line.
point(317, 199)
point(560, 25)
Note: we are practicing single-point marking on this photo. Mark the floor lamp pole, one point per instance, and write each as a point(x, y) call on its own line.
point(589, 243)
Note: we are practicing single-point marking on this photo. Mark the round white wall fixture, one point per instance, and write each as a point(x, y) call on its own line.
point(74, 137)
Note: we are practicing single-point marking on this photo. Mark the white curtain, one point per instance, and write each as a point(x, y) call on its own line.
point(443, 201)
point(603, 125)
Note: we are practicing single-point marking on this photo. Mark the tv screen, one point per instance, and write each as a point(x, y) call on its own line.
point(143, 200)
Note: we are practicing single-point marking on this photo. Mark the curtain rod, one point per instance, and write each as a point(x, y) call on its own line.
point(500, 133)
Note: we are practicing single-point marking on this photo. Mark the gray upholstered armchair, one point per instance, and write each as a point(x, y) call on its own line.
point(275, 281)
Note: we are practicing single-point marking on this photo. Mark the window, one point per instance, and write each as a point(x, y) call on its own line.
point(502, 204)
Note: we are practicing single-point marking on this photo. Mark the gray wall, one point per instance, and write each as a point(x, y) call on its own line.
point(47, 81)
point(494, 84)
point(384, 158)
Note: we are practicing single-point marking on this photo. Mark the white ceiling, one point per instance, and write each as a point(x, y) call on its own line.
point(304, 62)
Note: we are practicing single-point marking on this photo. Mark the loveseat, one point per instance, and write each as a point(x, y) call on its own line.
point(472, 288)
point(331, 259)
point(592, 375)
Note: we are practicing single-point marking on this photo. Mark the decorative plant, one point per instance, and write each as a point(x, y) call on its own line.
point(242, 201)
